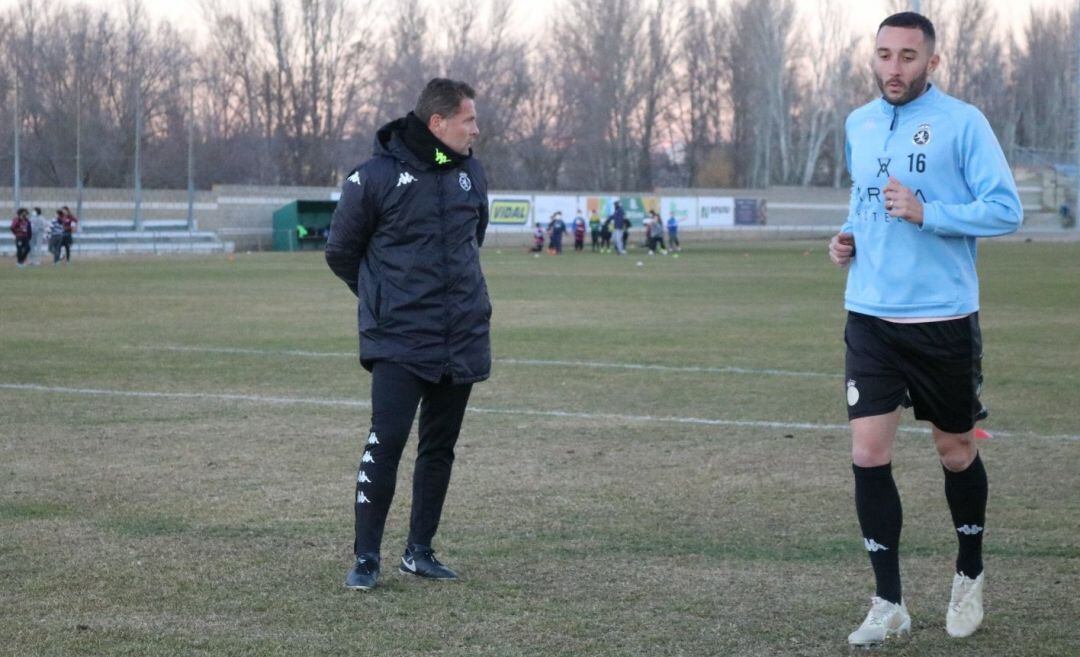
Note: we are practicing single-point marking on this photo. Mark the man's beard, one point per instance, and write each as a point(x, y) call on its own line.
point(918, 85)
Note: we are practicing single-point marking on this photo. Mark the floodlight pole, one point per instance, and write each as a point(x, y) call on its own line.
point(18, 162)
point(78, 145)
point(138, 154)
point(191, 160)
point(1076, 139)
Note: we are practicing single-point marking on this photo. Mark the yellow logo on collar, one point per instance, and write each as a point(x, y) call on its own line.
point(440, 157)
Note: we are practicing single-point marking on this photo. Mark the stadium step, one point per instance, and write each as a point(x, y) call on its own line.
point(103, 238)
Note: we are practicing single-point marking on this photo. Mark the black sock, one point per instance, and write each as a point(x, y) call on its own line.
point(966, 493)
point(877, 503)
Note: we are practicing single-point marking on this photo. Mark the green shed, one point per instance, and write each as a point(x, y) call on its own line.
point(302, 225)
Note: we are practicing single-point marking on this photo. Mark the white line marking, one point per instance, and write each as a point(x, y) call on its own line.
point(254, 352)
point(667, 368)
point(183, 395)
point(520, 361)
point(350, 403)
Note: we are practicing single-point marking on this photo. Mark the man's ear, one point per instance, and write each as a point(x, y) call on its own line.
point(935, 60)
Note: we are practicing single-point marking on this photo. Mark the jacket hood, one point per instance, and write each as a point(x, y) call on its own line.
point(388, 142)
point(395, 138)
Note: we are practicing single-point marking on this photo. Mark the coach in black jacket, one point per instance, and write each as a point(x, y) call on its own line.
point(405, 238)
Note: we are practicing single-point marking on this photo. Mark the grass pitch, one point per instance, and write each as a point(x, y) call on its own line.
point(179, 439)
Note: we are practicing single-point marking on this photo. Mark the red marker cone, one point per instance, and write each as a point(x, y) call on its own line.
point(983, 434)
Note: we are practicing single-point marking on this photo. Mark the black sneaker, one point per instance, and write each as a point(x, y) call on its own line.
point(364, 574)
point(420, 560)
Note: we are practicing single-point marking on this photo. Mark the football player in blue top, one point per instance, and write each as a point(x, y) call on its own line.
point(928, 178)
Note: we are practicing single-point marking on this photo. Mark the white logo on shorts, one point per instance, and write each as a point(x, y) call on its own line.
point(852, 393)
point(373, 439)
point(362, 499)
point(362, 478)
point(873, 546)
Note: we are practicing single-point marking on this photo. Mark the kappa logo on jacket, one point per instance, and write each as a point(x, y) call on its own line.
point(354, 178)
point(404, 179)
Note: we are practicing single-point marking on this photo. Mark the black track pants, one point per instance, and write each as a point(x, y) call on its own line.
point(395, 395)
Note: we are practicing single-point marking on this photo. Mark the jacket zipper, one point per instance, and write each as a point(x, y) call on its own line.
point(892, 126)
point(445, 270)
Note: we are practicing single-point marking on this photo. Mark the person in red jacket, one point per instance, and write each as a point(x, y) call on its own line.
point(71, 226)
point(579, 232)
point(20, 228)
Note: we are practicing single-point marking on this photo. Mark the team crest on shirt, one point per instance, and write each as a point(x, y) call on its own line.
point(463, 180)
point(922, 135)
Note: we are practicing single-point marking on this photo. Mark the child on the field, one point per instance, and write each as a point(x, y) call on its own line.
point(538, 240)
point(579, 232)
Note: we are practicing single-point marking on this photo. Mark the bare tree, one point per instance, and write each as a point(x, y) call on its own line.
point(405, 64)
point(704, 87)
point(616, 94)
point(760, 88)
point(822, 98)
point(655, 83)
point(599, 41)
point(541, 133)
point(1044, 78)
point(290, 75)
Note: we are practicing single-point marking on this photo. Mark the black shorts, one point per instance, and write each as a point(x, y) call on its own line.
point(933, 367)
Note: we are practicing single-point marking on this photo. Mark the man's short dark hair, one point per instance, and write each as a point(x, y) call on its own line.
point(911, 19)
point(443, 97)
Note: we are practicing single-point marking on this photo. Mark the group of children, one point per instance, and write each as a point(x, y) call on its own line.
point(601, 233)
point(31, 234)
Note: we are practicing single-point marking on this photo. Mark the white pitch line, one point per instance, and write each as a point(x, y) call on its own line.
point(351, 403)
point(521, 361)
point(261, 399)
point(253, 352)
point(667, 368)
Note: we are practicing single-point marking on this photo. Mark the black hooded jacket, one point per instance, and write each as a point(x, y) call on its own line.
point(406, 238)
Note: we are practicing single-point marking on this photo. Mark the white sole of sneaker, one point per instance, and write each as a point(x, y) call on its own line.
point(957, 635)
point(902, 632)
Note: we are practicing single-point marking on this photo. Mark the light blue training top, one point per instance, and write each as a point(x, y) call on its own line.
point(944, 151)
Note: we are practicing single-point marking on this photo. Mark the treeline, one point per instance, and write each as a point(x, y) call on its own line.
point(609, 94)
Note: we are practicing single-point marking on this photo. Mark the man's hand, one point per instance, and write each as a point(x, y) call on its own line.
point(842, 249)
point(901, 203)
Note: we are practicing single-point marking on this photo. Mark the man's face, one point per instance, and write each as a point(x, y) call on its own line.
point(902, 62)
point(458, 131)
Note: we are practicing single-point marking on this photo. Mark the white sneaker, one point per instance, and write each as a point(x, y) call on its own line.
point(965, 606)
point(884, 620)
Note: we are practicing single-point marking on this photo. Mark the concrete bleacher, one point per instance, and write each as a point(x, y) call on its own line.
point(119, 236)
